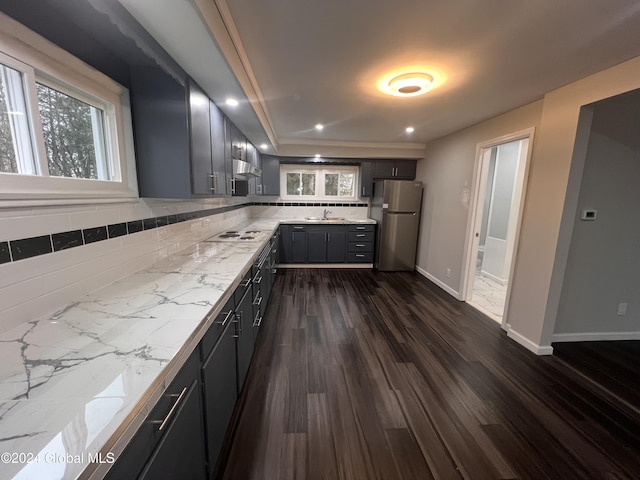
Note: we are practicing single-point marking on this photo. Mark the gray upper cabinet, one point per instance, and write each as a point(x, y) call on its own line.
point(202, 179)
point(270, 175)
point(160, 117)
point(366, 178)
point(394, 169)
point(253, 159)
point(218, 161)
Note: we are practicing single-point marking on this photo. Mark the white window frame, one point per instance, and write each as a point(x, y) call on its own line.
point(43, 62)
point(320, 170)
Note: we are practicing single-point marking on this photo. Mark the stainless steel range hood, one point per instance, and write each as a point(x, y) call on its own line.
point(242, 169)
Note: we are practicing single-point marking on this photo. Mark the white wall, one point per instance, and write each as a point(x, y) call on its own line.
point(603, 267)
point(550, 207)
point(445, 171)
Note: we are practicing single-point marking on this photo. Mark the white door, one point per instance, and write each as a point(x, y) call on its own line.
point(494, 222)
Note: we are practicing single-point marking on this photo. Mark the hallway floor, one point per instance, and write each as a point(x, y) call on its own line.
point(489, 295)
point(367, 375)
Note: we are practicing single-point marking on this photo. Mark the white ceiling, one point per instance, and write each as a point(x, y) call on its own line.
point(318, 61)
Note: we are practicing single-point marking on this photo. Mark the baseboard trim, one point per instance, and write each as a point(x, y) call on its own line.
point(529, 345)
point(439, 283)
point(595, 336)
point(325, 265)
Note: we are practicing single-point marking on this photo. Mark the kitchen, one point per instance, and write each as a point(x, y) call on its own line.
point(198, 218)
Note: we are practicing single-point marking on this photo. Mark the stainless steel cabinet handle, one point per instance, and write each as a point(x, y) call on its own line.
point(258, 320)
point(257, 280)
point(257, 301)
point(213, 183)
point(361, 235)
point(358, 255)
point(363, 191)
point(226, 318)
point(245, 283)
point(163, 423)
point(298, 228)
point(238, 322)
point(362, 246)
point(360, 228)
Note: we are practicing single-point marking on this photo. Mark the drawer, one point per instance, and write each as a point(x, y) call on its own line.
point(361, 247)
point(364, 257)
point(362, 228)
point(298, 228)
point(217, 327)
point(244, 284)
point(142, 445)
point(361, 236)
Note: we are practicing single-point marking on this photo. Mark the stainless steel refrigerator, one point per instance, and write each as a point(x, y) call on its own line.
point(395, 205)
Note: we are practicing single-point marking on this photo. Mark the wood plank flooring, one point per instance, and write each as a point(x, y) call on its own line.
point(369, 375)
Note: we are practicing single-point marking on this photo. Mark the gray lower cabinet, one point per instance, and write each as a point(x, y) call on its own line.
point(327, 244)
point(244, 336)
point(170, 443)
point(180, 453)
point(293, 244)
point(361, 241)
point(220, 391)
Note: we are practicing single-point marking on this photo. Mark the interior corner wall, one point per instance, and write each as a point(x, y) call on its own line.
point(544, 236)
point(603, 266)
point(445, 171)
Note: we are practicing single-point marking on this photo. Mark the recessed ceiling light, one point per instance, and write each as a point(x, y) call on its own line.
point(232, 102)
point(409, 129)
point(319, 126)
point(317, 155)
point(264, 146)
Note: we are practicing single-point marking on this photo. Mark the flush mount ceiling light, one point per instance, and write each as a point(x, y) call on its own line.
point(407, 84)
point(411, 84)
point(232, 102)
point(264, 146)
point(317, 155)
point(319, 126)
point(409, 129)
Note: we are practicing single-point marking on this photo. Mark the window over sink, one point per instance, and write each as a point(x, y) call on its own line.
point(318, 182)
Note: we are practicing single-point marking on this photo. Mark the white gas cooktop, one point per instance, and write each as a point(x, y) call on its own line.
point(240, 236)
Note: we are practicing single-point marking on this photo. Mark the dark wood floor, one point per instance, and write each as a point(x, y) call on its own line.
point(367, 375)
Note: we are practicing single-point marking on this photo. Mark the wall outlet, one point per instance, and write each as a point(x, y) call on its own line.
point(448, 273)
point(622, 309)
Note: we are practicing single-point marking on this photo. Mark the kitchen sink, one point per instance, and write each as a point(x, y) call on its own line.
point(329, 219)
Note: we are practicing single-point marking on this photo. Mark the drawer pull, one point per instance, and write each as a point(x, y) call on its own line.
point(362, 246)
point(163, 423)
point(257, 301)
point(257, 280)
point(360, 228)
point(258, 320)
point(229, 314)
point(298, 228)
point(245, 283)
point(360, 235)
point(359, 255)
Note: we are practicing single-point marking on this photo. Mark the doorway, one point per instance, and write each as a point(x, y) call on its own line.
point(499, 182)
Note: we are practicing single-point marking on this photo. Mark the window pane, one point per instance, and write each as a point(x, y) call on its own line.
point(293, 184)
point(16, 146)
point(331, 184)
point(308, 184)
point(347, 182)
point(73, 135)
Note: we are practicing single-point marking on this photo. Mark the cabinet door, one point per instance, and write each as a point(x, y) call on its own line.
point(180, 453)
point(252, 159)
point(366, 178)
point(406, 169)
point(220, 394)
point(298, 246)
point(200, 139)
point(285, 244)
point(218, 163)
point(317, 245)
point(337, 245)
point(244, 334)
point(383, 168)
point(270, 175)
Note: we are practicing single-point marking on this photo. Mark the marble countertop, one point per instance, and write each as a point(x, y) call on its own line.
point(317, 220)
point(83, 380)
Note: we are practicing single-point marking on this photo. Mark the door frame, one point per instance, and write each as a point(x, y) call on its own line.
point(478, 192)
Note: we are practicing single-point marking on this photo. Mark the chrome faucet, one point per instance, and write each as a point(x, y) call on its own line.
point(325, 213)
